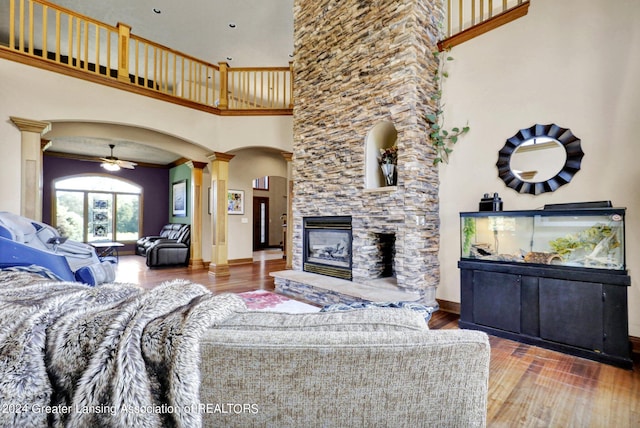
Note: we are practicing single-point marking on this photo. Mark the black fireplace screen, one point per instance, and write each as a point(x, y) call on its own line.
point(327, 246)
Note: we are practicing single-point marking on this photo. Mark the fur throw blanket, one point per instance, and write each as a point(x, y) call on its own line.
point(112, 356)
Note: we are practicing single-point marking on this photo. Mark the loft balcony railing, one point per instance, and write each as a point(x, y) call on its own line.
point(43, 34)
point(467, 19)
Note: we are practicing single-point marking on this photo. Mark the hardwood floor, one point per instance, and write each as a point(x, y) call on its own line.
point(528, 386)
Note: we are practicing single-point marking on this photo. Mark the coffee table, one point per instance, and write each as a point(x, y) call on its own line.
point(106, 249)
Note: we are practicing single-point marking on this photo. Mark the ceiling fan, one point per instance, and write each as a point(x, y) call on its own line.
point(112, 163)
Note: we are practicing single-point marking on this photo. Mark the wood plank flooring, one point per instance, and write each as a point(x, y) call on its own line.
point(528, 386)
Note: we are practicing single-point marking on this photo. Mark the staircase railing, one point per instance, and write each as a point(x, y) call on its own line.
point(53, 37)
point(467, 19)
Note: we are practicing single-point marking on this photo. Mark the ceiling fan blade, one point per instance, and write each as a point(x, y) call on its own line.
point(127, 164)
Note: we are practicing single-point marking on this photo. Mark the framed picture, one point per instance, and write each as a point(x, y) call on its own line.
point(235, 202)
point(179, 201)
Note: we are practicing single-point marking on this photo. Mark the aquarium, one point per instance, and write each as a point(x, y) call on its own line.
point(587, 238)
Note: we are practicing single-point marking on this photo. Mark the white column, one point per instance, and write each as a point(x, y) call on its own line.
point(31, 166)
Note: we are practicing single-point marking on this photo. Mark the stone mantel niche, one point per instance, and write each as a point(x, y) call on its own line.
point(350, 78)
point(382, 136)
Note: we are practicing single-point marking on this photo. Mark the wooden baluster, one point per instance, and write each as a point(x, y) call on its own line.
point(184, 82)
point(70, 41)
point(31, 29)
point(175, 75)
point(473, 12)
point(190, 80)
point(58, 31)
point(45, 21)
point(164, 70)
point(290, 84)
point(97, 49)
point(12, 25)
point(155, 66)
point(206, 95)
point(78, 41)
point(85, 43)
point(108, 71)
point(21, 27)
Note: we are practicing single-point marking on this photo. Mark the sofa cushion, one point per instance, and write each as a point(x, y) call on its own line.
point(346, 378)
point(371, 319)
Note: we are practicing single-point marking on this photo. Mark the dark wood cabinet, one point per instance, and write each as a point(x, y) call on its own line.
point(582, 312)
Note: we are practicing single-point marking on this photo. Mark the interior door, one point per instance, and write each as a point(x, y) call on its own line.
point(260, 223)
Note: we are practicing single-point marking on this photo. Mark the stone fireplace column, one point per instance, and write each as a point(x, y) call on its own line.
point(364, 72)
point(219, 184)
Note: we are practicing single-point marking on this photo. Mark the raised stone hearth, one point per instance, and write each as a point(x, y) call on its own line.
point(324, 290)
point(364, 69)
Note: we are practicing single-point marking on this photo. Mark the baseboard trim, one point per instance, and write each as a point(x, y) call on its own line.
point(240, 261)
point(448, 306)
point(454, 308)
point(635, 344)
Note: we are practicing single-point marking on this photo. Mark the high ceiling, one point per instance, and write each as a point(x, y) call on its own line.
point(242, 33)
point(262, 36)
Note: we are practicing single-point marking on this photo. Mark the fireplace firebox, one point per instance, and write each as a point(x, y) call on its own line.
point(327, 246)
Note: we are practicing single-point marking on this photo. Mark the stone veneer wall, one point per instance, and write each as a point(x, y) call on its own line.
point(358, 63)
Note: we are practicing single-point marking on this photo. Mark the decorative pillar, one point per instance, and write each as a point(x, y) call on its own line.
point(223, 103)
point(124, 33)
point(31, 166)
point(288, 254)
point(195, 259)
point(219, 241)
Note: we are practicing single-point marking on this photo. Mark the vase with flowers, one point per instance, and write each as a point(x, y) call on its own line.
point(388, 160)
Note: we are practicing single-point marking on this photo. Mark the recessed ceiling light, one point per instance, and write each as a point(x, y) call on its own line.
point(232, 25)
point(156, 10)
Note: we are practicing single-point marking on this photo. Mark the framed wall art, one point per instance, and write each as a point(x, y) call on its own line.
point(179, 199)
point(235, 202)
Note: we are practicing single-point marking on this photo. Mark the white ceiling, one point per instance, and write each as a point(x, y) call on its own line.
point(96, 147)
point(262, 37)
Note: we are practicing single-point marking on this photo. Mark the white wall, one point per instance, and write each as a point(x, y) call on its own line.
point(243, 168)
point(31, 93)
point(574, 63)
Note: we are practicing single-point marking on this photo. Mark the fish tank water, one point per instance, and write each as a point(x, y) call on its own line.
point(586, 238)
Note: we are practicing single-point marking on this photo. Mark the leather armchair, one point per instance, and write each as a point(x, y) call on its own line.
point(170, 251)
point(169, 231)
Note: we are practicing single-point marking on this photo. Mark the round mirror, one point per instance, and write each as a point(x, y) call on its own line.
point(539, 159)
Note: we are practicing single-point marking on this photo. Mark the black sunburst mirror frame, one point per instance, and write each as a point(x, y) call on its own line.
point(564, 136)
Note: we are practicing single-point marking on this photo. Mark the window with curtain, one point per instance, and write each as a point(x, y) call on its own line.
point(97, 208)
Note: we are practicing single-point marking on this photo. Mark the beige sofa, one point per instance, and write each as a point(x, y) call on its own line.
point(360, 368)
point(116, 355)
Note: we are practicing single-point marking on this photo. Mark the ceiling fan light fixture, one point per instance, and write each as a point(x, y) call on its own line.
point(110, 166)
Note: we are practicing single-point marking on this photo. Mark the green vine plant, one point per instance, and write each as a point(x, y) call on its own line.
point(440, 138)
